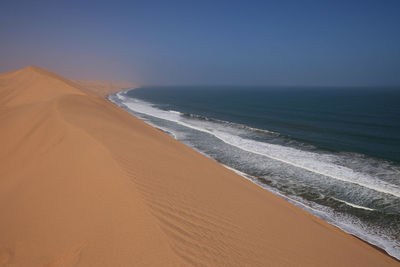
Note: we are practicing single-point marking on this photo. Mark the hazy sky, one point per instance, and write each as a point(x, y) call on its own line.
point(207, 42)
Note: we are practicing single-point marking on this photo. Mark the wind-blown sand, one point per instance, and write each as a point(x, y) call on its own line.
point(84, 183)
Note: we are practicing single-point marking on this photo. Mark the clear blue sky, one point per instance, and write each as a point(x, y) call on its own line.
point(207, 42)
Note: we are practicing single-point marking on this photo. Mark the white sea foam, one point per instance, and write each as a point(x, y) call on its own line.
point(146, 108)
point(353, 205)
point(175, 112)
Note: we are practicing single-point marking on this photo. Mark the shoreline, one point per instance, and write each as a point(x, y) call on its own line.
point(254, 180)
point(100, 187)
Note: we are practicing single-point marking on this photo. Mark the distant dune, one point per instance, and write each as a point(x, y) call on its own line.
point(103, 88)
point(84, 183)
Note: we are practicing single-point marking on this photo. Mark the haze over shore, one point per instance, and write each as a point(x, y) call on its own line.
point(84, 183)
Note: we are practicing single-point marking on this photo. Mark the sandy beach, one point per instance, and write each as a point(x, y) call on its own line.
point(85, 183)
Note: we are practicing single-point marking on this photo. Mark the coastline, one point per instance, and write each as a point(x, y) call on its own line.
point(348, 226)
point(101, 187)
point(248, 177)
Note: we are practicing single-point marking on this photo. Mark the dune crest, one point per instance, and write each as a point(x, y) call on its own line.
point(84, 183)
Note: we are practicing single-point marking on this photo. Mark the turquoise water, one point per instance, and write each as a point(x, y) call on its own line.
point(332, 151)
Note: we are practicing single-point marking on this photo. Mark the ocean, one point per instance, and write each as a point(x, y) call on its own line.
point(334, 152)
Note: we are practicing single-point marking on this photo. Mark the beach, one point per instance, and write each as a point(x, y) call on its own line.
point(85, 183)
point(318, 148)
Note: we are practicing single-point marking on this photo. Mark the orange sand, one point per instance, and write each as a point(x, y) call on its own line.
point(84, 183)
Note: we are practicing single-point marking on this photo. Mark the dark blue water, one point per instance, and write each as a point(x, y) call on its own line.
point(357, 120)
point(332, 151)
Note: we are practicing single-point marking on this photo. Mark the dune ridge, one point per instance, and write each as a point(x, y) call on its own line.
point(84, 183)
point(103, 88)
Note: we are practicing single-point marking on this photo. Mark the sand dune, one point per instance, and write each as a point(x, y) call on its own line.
point(84, 183)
